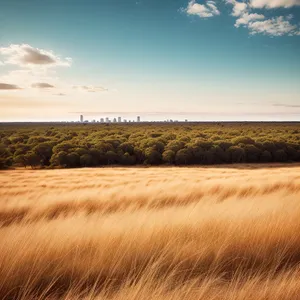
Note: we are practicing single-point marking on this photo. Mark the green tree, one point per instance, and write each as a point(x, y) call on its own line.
point(37, 140)
point(139, 156)
point(266, 156)
point(63, 147)
point(97, 156)
point(280, 156)
point(21, 149)
point(111, 157)
point(153, 157)
point(21, 160)
point(252, 153)
point(73, 160)
point(183, 157)
point(127, 147)
point(128, 159)
point(32, 159)
point(221, 156)
point(168, 156)
point(153, 144)
point(5, 157)
point(44, 151)
point(80, 151)
point(104, 147)
point(59, 159)
point(175, 146)
point(17, 139)
point(236, 154)
point(243, 140)
point(224, 145)
point(209, 157)
point(196, 153)
point(292, 153)
point(86, 160)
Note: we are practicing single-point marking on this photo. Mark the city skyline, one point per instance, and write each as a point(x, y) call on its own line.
point(106, 119)
point(209, 60)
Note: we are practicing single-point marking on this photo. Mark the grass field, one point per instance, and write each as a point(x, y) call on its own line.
point(150, 233)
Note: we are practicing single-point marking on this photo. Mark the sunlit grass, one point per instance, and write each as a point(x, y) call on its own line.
point(159, 233)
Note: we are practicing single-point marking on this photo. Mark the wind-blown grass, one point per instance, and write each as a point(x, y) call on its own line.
point(159, 233)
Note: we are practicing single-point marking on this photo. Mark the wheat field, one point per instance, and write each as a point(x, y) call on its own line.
point(150, 233)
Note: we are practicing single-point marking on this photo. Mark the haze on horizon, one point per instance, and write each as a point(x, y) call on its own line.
point(182, 59)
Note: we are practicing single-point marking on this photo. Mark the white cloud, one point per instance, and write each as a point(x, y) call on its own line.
point(275, 27)
point(34, 81)
point(28, 77)
point(257, 23)
point(207, 10)
point(246, 18)
point(7, 86)
point(25, 55)
point(213, 7)
point(42, 85)
point(238, 7)
point(90, 88)
point(34, 73)
point(274, 3)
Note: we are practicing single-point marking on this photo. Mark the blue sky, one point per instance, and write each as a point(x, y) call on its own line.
point(202, 60)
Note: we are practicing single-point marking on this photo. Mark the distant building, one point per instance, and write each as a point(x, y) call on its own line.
point(138, 119)
point(186, 120)
point(102, 120)
point(115, 120)
point(125, 121)
point(93, 121)
point(107, 120)
point(119, 119)
point(81, 118)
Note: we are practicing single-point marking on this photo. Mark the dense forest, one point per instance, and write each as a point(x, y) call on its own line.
point(73, 145)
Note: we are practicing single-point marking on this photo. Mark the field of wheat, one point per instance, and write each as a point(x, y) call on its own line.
point(150, 233)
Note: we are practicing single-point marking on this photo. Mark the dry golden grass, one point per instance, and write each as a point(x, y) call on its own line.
point(158, 233)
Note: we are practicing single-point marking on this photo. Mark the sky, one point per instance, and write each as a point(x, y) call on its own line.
point(182, 59)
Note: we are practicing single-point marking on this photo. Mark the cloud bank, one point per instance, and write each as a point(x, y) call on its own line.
point(24, 55)
point(35, 69)
point(275, 27)
point(90, 88)
point(7, 86)
point(247, 17)
point(274, 3)
point(42, 85)
point(202, 10)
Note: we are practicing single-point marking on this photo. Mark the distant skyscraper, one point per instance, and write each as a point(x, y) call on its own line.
point(115, 120)
point(102, 120)
point(138, 119)
point(107, 120)
point(81, 118)
point(119, 119)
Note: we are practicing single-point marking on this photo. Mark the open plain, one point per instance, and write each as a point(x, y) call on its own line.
point(151, 233)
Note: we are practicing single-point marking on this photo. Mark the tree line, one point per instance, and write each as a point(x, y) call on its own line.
point(77, 145)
